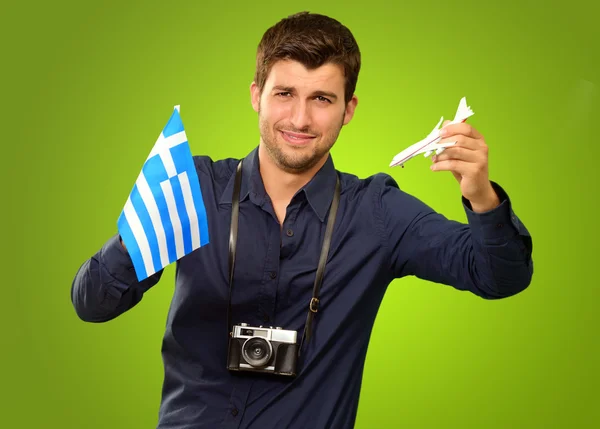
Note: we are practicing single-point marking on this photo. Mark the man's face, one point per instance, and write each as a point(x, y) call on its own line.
point(301, 113)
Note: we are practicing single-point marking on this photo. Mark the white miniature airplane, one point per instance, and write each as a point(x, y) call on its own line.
point(430, 143)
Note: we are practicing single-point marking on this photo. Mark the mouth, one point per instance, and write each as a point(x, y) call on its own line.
point(296, 138)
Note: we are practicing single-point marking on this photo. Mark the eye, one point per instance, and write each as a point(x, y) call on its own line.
point(321, 98)
point(282, 93)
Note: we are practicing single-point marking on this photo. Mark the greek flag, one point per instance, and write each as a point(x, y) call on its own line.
point(164, 217)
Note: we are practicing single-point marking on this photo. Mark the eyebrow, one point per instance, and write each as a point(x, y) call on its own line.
point(315, 93)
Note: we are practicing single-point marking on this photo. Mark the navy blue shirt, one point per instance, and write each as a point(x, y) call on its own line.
point(381, 234)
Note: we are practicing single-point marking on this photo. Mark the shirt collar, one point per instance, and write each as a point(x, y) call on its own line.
point(318, 191)
point(245, 187)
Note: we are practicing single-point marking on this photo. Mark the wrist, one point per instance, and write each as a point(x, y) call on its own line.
point(487, 202)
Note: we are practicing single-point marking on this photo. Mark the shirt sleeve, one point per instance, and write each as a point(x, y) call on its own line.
point(489, 256)
point(106, 285)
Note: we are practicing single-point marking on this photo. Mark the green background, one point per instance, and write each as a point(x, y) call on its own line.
point(87, 88)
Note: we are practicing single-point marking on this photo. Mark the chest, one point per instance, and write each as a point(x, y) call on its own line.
point(275, 267)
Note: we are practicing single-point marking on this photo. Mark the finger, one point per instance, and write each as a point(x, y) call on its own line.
point(461, 128)
point(459, 153)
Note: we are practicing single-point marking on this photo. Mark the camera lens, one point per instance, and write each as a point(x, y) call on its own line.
point(257, 351)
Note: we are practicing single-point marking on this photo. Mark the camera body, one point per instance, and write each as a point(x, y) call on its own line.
point(259, 349)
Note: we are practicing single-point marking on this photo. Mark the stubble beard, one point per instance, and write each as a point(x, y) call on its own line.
point(300, 161)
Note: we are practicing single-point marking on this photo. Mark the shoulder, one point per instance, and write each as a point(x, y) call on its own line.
point(382, 196)
point(377, 186)
point(378, 201)
point(216, 169)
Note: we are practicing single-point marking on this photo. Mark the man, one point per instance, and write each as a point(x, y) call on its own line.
point(306, 72)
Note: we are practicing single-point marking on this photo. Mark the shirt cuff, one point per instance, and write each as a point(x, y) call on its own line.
point(498, 223)
point(117, 261)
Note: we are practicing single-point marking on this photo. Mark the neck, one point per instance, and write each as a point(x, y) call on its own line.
point(281, 185)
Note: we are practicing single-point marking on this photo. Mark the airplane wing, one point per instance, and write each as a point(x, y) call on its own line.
point(426, 149)
point(435, 147)
point(434, 133)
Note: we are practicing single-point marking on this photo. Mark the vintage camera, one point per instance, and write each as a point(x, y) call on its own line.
point(260, 349)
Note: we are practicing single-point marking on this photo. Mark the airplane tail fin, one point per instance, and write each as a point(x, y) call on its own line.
point(463, 111)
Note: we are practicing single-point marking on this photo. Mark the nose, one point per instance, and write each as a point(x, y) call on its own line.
point(300, 115)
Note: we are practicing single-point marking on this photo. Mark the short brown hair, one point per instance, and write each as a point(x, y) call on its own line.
point(313, 40)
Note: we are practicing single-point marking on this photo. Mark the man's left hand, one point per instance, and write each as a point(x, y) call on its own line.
point(468, 162)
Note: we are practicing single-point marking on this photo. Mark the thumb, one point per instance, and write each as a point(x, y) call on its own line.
point(446, 122)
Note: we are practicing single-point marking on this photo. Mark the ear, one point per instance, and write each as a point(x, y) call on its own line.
point(254, 96)
point(349, 113)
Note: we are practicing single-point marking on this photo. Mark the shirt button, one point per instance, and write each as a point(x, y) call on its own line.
point(499, 225)
point(234, 412)
point(266, 318)
point(289, 232)
point(273, 274)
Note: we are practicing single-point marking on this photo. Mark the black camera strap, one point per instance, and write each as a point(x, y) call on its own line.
point(314, 302)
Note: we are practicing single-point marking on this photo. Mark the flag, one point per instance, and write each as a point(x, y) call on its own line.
point(164, 217)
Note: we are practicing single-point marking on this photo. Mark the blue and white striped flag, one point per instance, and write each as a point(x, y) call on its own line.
point(164, 217)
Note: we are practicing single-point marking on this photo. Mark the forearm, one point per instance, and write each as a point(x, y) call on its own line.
point(501, 250)
point(498, 252)
point(500, 264)
point(490, 256)
point(457, 257)
point(106, 286)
